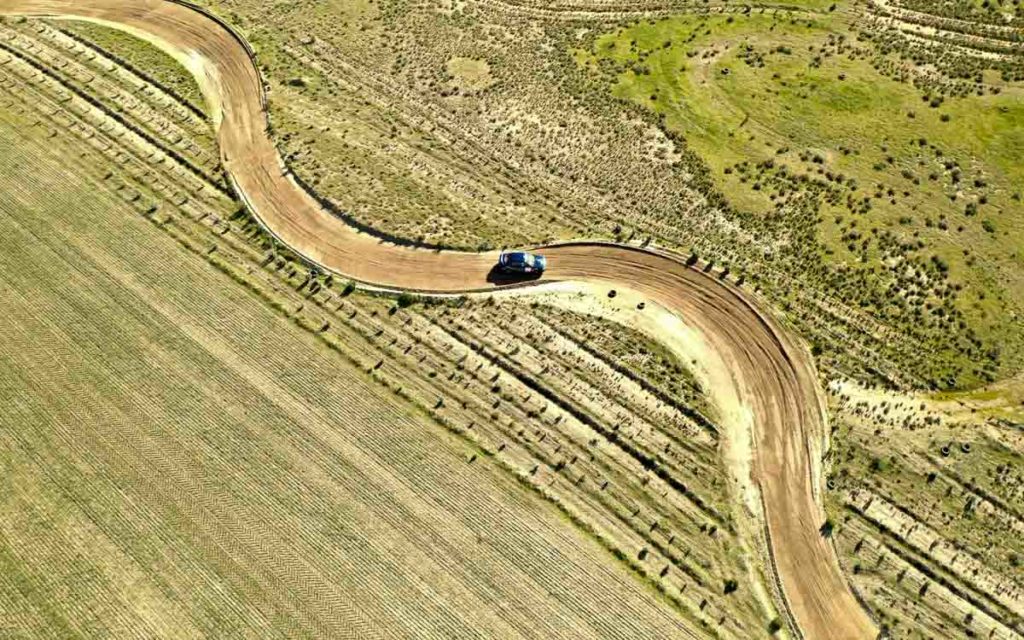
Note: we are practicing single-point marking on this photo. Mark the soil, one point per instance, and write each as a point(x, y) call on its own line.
point(758, 365)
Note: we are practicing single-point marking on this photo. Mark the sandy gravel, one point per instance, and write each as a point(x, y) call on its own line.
point(770, 374)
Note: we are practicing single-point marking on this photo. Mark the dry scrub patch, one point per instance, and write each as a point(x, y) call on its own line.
point(925, 499)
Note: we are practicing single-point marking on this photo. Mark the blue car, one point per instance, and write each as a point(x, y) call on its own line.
point(522, 262)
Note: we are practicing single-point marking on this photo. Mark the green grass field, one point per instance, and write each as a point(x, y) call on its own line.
point(901, 179)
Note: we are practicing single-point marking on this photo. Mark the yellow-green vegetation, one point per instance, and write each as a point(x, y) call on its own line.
point(182, 459)
point(140, 56)
point(742, 88)
point(1003, 400)
point(917, 193)
point(370, 113)
point(632, 471)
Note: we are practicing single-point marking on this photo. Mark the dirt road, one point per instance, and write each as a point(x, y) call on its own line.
point(773, 376)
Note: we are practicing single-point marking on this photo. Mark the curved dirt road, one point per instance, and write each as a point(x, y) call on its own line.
point(773, 376)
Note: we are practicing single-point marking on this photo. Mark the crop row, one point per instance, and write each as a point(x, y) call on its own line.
point(297, 448)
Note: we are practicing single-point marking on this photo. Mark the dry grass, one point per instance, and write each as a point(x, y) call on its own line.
point(182, 405)
point(184, 460)
point(551, 430)
point(926, 498)
point(143, 59)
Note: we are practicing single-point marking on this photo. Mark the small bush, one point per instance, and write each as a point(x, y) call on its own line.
point(406, 299)
point(827, 529)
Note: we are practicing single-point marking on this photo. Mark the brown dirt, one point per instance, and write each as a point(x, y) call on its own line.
point(773, 375)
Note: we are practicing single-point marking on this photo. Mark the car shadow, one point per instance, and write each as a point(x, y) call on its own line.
point(499, 277)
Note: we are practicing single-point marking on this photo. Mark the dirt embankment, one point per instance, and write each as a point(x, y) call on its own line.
point(772, 375)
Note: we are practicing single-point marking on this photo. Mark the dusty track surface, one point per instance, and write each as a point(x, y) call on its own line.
point(773, 376)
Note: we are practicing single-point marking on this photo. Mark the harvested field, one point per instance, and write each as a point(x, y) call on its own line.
point(183, 459)
point(670, 538)
point(665, 462)
point(136, 55)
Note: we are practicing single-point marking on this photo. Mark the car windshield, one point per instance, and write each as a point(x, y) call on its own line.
point(520, 259)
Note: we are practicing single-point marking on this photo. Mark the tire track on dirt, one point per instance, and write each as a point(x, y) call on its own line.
point(773, 377)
